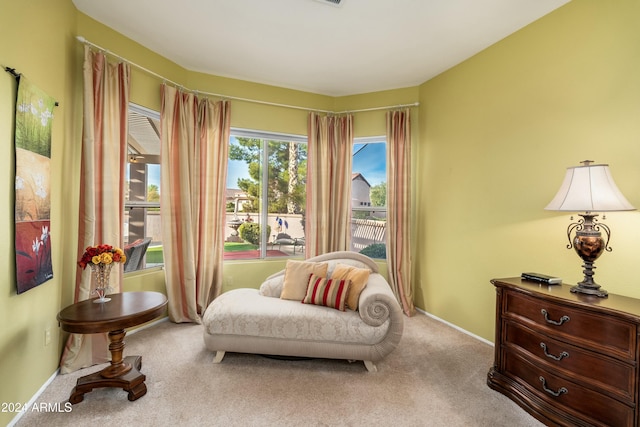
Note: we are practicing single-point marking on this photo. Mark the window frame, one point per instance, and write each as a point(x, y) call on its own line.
point(264, 159)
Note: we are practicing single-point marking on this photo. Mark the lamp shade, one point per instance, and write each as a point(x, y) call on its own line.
point(589, 188)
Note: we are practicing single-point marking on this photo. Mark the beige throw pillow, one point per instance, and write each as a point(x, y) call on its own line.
point(358, 277)
point(296, 278)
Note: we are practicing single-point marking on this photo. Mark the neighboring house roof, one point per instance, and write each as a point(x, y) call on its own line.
point(358, 175)
point(232, 193)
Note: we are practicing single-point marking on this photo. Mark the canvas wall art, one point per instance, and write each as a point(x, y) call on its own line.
point(34, 117)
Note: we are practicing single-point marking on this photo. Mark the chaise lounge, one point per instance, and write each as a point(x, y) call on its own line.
point(266, 322)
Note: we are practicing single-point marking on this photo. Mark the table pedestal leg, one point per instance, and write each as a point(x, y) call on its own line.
point(132, 381)
point(116, 347)
point(120, 373)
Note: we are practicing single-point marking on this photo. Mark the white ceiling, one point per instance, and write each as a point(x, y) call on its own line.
point(358, 47)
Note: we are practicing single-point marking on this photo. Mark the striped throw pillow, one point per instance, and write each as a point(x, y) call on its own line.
point(327, 292)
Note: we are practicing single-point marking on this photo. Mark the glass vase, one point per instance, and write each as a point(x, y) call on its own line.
point(101, 273)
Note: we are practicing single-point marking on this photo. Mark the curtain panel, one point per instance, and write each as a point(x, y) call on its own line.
point(194, 154)
point(328, 211)
point(398, 127)
point(102, 186)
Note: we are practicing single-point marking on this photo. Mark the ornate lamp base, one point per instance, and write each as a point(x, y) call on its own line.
point(588, 286)
point(580, 288)
point(589, 245)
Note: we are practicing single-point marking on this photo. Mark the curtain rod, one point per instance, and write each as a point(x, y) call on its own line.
point(255, 101)
point(17, 75)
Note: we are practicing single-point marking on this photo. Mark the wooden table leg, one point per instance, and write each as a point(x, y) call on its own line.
point(116, 347)
point(132, 381)
point(120, 373)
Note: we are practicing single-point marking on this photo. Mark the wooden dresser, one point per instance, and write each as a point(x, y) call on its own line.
point(567, 359)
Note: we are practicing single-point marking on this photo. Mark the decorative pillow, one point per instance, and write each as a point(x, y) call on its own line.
point(328, 292)
point(271, 287)
point(296, 278)
point(358, 277)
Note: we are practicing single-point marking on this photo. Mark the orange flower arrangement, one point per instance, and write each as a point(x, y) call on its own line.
point(101, 258)
point(101, 254)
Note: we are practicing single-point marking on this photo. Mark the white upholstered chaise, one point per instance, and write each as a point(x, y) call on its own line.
point(259, 321)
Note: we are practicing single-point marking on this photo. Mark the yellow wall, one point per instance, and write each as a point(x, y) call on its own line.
point(497, 133)
point(145, 89)
point(36, 39)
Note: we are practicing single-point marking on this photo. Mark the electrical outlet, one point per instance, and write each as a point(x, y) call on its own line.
point(47, 336)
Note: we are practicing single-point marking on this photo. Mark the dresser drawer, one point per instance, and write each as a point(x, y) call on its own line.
point(567, 396)
point(585, 367)
point(570, 324)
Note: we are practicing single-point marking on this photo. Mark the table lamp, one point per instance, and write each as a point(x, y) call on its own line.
point(589, 188)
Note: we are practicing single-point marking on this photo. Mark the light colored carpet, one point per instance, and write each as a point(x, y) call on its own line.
point(436, 377)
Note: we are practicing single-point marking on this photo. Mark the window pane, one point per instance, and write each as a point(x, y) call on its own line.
point(287, 197)
point(369, 198)
point(142, 228)
point(274, 196)
point(244, 178)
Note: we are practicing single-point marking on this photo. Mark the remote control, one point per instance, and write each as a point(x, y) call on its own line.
point(542, 278)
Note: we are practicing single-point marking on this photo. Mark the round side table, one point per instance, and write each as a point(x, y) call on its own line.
point(125, 310)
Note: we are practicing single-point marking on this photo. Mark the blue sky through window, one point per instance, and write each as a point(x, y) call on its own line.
point(236, 169)
point(153, 171)
point(371, 161)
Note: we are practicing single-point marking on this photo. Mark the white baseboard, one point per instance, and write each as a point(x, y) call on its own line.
point(148, 325)
point(35, 397)
point(479, 338)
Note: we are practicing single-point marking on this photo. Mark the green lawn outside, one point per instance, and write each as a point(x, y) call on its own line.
point(155, 255)
point(239, 247)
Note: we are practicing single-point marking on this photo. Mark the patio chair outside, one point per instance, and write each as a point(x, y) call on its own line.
point(135, 252)
point(283, 239)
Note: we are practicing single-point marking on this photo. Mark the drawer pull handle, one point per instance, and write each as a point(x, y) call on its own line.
point(553, 322)
point(561, 390)
point(562, 355)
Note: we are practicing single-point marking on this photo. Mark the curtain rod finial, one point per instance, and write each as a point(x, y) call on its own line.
point(81, 39)
point(12, 71)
